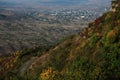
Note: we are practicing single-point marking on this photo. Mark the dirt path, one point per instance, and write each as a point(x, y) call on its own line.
point(43, 59)
point(26, 65)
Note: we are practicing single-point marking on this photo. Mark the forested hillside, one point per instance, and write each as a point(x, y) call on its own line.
point(93, 54)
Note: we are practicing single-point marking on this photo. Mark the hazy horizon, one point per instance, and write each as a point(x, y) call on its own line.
point(31, 3)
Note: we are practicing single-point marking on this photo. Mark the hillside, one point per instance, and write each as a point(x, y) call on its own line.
point(20, 29)
point(92, 54)
point(28, 27)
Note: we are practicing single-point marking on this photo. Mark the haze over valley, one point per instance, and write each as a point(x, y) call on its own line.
point(29, 23)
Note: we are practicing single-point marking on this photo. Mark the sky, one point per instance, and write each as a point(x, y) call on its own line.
point(52, 2)
point(44, 1)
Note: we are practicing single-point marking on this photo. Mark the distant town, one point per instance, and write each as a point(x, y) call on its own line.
point(67, 16)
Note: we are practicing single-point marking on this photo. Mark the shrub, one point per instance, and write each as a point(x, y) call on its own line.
point(49, 74)
point(111, 36)
point(93, 40)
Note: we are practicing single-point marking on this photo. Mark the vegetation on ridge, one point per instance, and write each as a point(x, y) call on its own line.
point(93, 54)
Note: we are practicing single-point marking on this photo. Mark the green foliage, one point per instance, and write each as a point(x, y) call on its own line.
point(93, 40)
point(108, 17)
point(97, 58)
point(112, 36)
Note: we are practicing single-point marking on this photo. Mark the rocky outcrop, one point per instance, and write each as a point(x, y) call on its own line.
point(114, 5)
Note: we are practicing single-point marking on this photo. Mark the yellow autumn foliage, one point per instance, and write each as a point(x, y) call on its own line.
point(48, 74)
point(112, 34)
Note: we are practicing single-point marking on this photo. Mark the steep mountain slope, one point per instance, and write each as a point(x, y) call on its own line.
point(93, 54)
